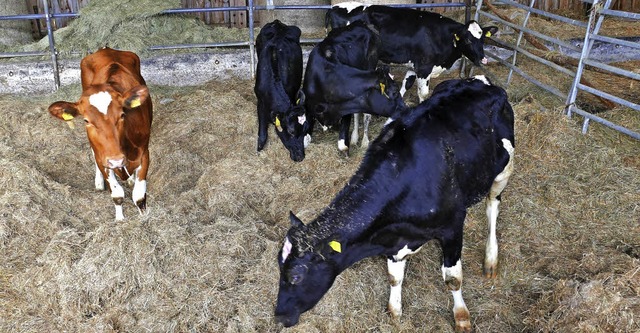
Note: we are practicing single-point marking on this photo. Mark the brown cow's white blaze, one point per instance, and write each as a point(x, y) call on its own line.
point(101, 101)
point(490, 268)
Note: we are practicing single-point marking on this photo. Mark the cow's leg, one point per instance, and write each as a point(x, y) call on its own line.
point(366, 119)
point(354, 132)
point(395, 266)
point(117, 194)
point(490, 268)
point(452, 274)
point(263, 124)
point(407, 82)
point(343, 143)
point(139, 192)
point(99, 178)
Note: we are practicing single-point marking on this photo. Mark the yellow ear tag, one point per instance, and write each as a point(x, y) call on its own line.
point(135, 103)
point(66, 116)
point(382, 87)
point(488, 34)
point(335, 245)
point(456, 37)
point(278, 126)
point(298, 101)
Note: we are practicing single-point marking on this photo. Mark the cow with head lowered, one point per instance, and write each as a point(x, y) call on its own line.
point(277, 88)
point(342, 79)
point(427, 42)
point(117, 111)
point(415, 183)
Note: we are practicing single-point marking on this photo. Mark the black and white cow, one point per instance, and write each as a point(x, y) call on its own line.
point(278, 80)
point(428, 42)
point(341, 79)
point(415, 184)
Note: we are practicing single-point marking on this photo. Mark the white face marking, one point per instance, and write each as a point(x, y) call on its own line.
point(286, 249)
point(302, 119)
point(475, 30)
point(483, 79)
point(101, 101)
point(350, 5)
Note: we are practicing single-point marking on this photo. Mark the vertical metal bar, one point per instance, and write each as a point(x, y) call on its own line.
point(573, 93)
point(520, 35)
point(251, 39)
point(52, 46)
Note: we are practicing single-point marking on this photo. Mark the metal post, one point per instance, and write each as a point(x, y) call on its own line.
point(520, 35)
point(251, 40)
point(52, 47)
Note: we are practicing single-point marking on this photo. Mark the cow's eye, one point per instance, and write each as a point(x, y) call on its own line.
point(297, 274)
point(86, 121)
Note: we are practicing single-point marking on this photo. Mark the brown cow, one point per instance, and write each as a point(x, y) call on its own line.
point(117, 112)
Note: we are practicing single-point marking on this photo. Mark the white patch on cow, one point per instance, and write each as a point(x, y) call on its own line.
point(483, 79)
point(455, 271)
point(139, 190)
point(404, 252)
point(101, 101)
point(99, 179)
point(436, 71)
point(423, 88)
point(350, 5)
point(475, 30)
point(325, 128)
point(307, 140)
point(396, 277)
point(286, 249)
point(389, 121)
point(302, 119)
point(116, 192)
point(407, 75)
point(342, 146)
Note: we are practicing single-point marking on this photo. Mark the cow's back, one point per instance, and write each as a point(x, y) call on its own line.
point(279, 58)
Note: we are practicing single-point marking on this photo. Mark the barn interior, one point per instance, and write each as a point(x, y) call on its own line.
point(204, 258)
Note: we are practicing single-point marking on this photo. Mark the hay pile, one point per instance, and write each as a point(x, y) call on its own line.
point(204, 259)
point(133, 25)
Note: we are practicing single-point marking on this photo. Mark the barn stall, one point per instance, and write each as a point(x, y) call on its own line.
point(204, 258)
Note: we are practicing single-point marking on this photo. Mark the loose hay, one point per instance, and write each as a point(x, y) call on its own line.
point(204, 259)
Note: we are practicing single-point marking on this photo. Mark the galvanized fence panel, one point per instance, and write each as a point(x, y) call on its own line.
point(569, 94)
point(250, 9)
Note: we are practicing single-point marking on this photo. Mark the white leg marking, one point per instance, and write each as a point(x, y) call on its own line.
point(453, 278)
point(365, 130)
point(491, 249)
point(99, 179)
point(354, 132)
point(116, 192)
point(396, 277)
point(307, 140)
point(342, 146)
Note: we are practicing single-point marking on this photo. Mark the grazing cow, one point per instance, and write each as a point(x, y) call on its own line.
point(117, 112)
point(427, 42)
point(341, 79)
point(415, 183)
point(278, 79)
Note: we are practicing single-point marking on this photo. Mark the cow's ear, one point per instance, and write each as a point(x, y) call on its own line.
point(295, 221)
point(135, 97)
point(64, 110)
point(489, 31)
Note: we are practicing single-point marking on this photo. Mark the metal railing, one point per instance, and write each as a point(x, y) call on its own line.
point(250, 8)
point(592, 28)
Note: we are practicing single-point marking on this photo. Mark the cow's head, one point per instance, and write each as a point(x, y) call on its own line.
point(104, 111)
point(470, 41)
point(387, 97)
point(292, 126)
point(305, 275)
